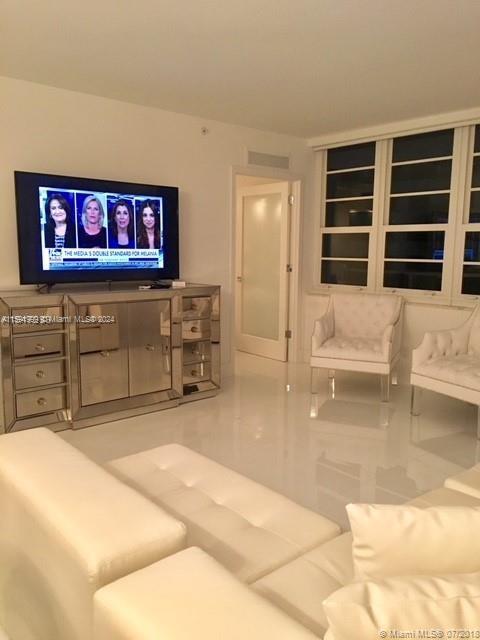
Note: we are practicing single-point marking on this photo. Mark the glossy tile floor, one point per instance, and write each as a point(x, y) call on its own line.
point(356, 449)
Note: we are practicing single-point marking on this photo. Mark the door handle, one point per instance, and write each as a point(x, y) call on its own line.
point(150, 347)
point(239, 279)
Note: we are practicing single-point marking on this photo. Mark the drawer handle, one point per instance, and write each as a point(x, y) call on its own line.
point(104, 354)
point(150, 347)
point(42, 402)
point(39, 347)
point(194, 329)
point(40, 374)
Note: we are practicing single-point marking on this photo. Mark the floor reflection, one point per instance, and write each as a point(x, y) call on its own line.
point(345, 449)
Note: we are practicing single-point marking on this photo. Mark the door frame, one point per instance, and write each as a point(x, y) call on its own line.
point(296, 182)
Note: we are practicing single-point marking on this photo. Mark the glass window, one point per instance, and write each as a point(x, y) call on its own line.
point(424, 209)
point(426, 245)
point(345, 245)
point(351, 272)
point(471, 279)
point(474, 207)
point(422, 176)
point(435, 144)
point(413, 173)
point(476, 172)
point(355, 155)
point(471, 272)
point(413, 275)
point(349, 213)
point(472, 246)
point(348, 204)
point(350, 184)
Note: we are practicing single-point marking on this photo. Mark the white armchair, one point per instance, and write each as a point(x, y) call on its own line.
point(358, 332)
point(448, 362)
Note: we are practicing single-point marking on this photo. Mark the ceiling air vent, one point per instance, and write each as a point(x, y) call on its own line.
point(268, 160)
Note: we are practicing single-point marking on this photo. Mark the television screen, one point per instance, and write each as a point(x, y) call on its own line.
point(79, 229)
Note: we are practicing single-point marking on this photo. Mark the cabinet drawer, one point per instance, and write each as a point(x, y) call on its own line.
point(30, 346)
point(36, 319)
point(44, 401)
point(196, 372)
point(196, 329)
point(197, 307)
point(196, 352)
point(36, 375)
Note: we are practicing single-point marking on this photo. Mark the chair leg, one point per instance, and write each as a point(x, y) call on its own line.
point(331, 383)
point(415, 401)
point(394, 377)
point(313, 384)
point(313, 392)
point(385, 387)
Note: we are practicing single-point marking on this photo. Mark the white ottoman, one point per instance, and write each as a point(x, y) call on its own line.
point(248, 528)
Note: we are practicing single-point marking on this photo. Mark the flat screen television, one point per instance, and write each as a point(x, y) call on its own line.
point(87, 230)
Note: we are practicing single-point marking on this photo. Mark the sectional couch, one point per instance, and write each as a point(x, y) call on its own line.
point(164, 545)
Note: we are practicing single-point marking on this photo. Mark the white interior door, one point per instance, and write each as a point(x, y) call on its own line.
point(262, 247)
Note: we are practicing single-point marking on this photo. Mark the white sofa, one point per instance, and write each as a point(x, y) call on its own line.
point(81, 552)
point(359, 332)
point(448, 362)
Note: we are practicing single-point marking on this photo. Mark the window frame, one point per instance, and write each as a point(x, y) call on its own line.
point(322, 229)
point(455, 229)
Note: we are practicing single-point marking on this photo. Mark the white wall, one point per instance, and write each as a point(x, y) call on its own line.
point(49, 130)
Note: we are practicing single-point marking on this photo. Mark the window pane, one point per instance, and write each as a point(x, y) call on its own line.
point(350, 184)
point(431, 209)
point(435, 144)
point(476, 172)
point(471, 279)
point(413, 275)
point(355, 155)
point(345, 245)
point(476, 147)
point(348, 272)
point(472, 246)
point(353, 213)
point(426, 176)
point(475, 206)
point(427, 245)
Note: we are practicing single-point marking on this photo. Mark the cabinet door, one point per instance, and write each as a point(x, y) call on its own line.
point(103, 353)
point(149, 346)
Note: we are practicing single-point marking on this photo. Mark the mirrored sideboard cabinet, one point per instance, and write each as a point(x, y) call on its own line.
point(79, 359)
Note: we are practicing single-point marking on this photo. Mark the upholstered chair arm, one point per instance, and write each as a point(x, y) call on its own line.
point(441, 343)
point(323, 329)
point(392, 338)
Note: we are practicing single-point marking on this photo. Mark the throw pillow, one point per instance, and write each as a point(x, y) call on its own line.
point(401, 607)
point(395, 540)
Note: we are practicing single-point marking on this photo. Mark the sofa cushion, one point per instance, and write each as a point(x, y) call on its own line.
point(391, 540)
point(466, 482)
point(365, 315)
point(403, 605)
point(245, 526)
point(188, 596)
point(67, 527)
point(461, 369)
point(300, 586)
point(369, 349)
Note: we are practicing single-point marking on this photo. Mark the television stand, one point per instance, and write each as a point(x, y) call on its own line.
point(83, 357)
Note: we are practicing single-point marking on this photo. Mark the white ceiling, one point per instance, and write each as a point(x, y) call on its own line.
point(303, 67)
